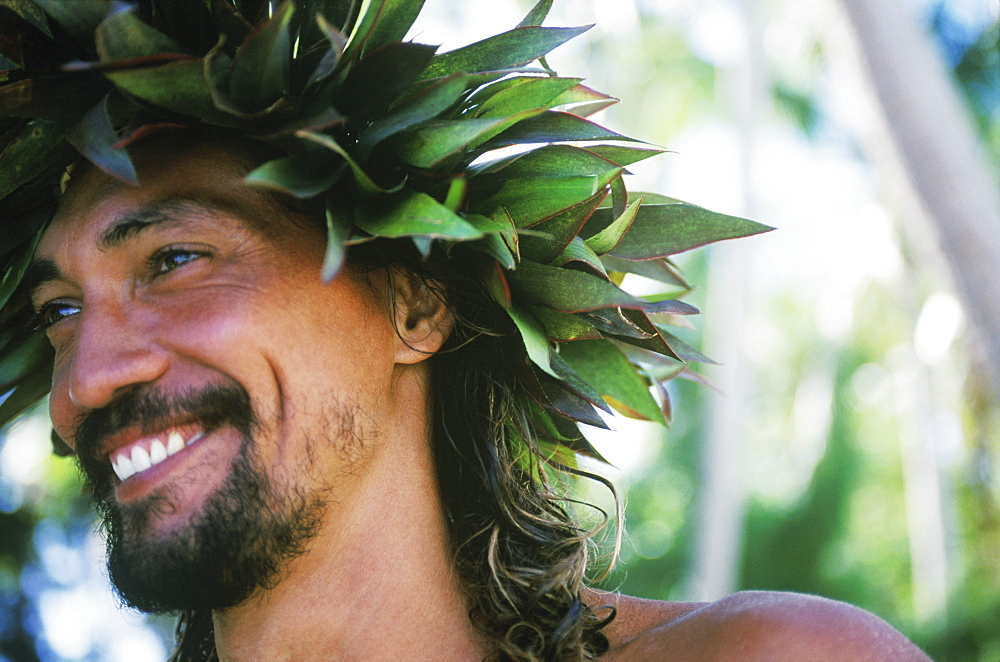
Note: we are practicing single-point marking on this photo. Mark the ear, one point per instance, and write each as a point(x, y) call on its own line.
point(422, 319)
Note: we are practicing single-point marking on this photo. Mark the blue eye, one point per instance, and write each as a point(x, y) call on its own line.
point(169, 259)
point(53, 313)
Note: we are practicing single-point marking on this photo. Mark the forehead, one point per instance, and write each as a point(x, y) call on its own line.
point(205, 174)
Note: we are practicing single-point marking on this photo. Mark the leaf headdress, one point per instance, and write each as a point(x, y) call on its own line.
point(413, 138)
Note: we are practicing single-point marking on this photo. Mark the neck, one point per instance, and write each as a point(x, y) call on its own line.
point(377, 582)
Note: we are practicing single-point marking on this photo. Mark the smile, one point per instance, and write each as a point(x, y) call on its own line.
point(150, 451)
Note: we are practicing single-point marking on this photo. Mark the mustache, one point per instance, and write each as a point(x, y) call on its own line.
point(210, 406)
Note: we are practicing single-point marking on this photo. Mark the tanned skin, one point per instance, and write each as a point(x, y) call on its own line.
point(238, 299)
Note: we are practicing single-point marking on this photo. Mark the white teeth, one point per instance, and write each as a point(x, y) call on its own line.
point(175, 442)
point(140, 459)
point(123, 468)
point(157, 452)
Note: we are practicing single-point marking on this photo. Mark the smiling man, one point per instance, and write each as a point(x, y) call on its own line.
point(320, 347)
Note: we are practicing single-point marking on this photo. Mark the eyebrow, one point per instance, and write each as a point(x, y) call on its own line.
point(128, 226)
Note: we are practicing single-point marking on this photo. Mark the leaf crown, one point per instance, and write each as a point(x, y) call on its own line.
point(414, 138)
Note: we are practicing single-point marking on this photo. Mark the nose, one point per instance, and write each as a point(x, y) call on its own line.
point(114, 351)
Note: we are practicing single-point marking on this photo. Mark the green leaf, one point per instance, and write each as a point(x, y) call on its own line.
point(378, 80)
point(16, 269)
point(624, 156)
point(564, 327)
point(30, 12)
point(560, 399)
point(584, 101)
point(410, 214)
point(366, 184)
point(338, 230)
point(553, 126)
point(534, 337)
point(78, 17)
point(178, 86)
point(550, 161)
point(433, 142)
point(531, 201)
point(578, 251)
point(430, 103)
point(537, 14)
point(299, 175)
point(260, 71)
point(657, 269)
point(551, 237)
point(522, 94)
point(95, 138)
point(29, 153)
point(683, 349)
point(124, 36)
point(503, 51)
point(25, 375)
point(667, 229)
point(568, 290)
point(382, 22)
point(607, 239)
point(602, 365)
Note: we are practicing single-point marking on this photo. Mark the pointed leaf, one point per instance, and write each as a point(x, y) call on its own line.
point(378, 80)
point(601, 364)
point(260, 71)
point(410, 214)
point(32, 377)
point(537, 14)
point(564, 327)
point(338, 230)
point(568, 290)
point(78, 17)
point(14, 273)
point(299, 175)
point(503, 51)
point(606, 240)
point(667, 229)
point(178, 86)
point(124, 36)
point(553, 126)
point(25, 156)
point(433, 142)
point(30, 12)
point(550, 161)
point(657, 269)
point(95, 138)
point(531, 201)
point(523, 94)
point(581, 96)
point(551, 237)
point(363, 180)
point(683, 349)
point(625, 156)
point(381, 22)
point(578, 251)
point(496, 239)
point(533, 335)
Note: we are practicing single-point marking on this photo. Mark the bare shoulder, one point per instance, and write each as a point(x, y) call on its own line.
point(751, 625)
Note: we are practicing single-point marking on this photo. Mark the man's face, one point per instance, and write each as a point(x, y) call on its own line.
point(214, 389)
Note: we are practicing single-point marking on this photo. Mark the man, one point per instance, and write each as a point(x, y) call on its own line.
point(355, 467)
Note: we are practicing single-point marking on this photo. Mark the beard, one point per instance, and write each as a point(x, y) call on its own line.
point(239, 541)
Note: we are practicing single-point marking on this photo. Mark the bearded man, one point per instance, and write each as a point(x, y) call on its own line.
point(304, 340)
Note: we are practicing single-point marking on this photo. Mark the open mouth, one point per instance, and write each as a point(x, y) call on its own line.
point(150, 451)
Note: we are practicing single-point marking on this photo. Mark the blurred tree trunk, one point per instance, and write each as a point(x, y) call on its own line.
point(937, 145)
